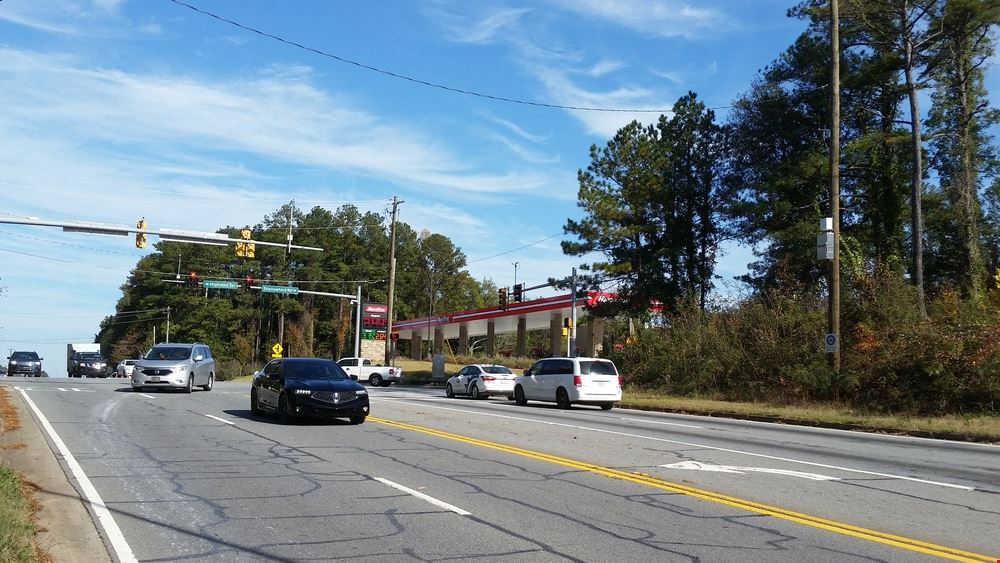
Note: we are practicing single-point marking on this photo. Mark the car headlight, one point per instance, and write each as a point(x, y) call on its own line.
point(104, 365)
point(303, 392)
point(361, 392)
point(13, 362)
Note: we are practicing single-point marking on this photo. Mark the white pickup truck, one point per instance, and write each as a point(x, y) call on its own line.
point(363, 370)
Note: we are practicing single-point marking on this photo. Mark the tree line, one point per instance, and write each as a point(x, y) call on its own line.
point(920, 196)
point(241, 325)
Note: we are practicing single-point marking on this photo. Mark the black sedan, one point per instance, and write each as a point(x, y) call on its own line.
point(307, 387)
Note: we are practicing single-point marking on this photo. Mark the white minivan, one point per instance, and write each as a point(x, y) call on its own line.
point(565, 381)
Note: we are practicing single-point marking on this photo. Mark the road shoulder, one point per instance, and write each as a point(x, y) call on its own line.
point(68, 530)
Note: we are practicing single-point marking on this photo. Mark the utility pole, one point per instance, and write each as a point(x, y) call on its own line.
point(390, 345)
point(834, 312)
point(168, 325)
point(357, 328)
point(572, 329)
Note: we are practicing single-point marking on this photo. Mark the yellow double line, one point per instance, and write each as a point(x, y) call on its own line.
point(777, 512)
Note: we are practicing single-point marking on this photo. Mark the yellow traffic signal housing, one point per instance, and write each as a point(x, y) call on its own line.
point(251, 248)
point(567, 323)
point(241, 249)
point(245, 234)
point(140, 237)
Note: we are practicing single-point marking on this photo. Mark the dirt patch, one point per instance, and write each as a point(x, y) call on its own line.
point(9, 420)
point(30, 494)
point(16, 446)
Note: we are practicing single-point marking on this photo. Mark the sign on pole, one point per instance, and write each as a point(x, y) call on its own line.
point(283, 289)
point(219, 284)
point(831, 343)
point(276, 350)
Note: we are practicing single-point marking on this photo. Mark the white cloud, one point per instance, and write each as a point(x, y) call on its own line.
point(279, 116)
point(519, 131)
point(68, 17)
point(666, 18)
point(672, 76)
point(478, 30)
point(605, 67)
point(564, 91)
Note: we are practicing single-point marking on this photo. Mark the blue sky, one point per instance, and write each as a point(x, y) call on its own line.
point(115, 110)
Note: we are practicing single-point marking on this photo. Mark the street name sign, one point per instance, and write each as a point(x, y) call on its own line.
point(219, 284)
point(283, 289)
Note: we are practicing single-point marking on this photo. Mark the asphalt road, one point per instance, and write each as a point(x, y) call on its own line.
point(197, 478)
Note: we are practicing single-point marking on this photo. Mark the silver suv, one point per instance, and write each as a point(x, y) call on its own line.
point(175, 366)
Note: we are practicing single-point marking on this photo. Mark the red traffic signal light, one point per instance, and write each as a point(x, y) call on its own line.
point(193, 279)
point(248, 279)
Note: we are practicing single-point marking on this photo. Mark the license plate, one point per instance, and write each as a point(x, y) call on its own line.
point(154, 378)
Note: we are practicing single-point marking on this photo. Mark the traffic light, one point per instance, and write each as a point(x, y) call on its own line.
point(519, 293)
point(248, 279)
point(241, 249)
point(567, 323)
point(140, 237)
point(193, 279)
point(502, 298)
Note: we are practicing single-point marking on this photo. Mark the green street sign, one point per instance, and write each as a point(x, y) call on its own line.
point(219, 284)
point(283, 289)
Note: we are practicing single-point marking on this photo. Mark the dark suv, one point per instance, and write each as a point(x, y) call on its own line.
point(89, 364)
point(24, 363)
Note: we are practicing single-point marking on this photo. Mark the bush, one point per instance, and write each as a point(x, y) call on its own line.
point(769, 348)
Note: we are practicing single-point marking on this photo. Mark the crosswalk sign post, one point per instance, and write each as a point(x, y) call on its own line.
point(276, 350)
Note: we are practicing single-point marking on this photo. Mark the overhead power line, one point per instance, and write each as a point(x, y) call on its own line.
point(396, 75)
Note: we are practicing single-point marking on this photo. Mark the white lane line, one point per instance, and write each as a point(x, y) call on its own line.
point(221, 420)
point(91, 497)
point(61, 389)
point(422, 496)
point(75, 389)
point(147, 396)
point(641, 421)
point(693, 444)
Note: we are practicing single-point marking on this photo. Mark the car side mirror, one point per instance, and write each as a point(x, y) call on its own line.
point(199, 358)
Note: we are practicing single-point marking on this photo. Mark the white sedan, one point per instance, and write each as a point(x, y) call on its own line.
point(480, 381)
point(125, 368)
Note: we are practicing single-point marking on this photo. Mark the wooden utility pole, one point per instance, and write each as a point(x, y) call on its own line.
point(390, 345)
point(834, 312)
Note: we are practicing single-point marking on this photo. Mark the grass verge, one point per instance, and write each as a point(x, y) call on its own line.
point(969, 428)
point(17, 524)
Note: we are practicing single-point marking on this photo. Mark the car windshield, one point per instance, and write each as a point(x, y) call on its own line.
point(597, 368)
point(313, 369)
point(168, 353)
point(130, 362)
point(501, 370)
point(90, 357)
point(24, 356)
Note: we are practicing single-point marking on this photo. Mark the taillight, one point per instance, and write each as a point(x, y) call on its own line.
point(577, 380)
point(392, 371)
point(619, 380)
point(488, 378)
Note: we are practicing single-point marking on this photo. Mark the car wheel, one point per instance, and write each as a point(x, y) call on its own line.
point(357, 420)
point(474, 391)
point(254, 405)
point(190, 385)
point(607, 406)
point(519, 396)
point(375, 380)
point(562, 398)
point(284, 415)
point(211, 382)
point(448, 391)
point(510, 397)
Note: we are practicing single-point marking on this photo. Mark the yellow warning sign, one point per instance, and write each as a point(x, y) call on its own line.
point(276, 350)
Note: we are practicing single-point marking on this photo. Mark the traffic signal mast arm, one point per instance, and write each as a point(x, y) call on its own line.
point(172, 235)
